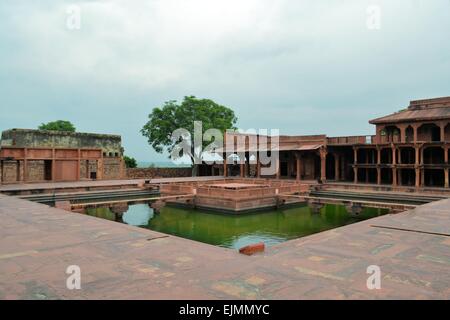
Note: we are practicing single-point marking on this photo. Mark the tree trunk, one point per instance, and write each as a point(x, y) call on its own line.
point(195, 170)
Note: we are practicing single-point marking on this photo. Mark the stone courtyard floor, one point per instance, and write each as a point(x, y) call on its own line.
point(118, 261)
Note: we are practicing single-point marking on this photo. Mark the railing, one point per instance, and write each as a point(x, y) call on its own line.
point(351, 140)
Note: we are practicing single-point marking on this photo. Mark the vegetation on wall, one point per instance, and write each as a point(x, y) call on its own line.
point(130, 162)
point(58, 125)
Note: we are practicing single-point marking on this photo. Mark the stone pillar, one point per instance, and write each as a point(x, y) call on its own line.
point(417, 178)
point(247, 165)
point(258, 166)
point(336, 167)
point(446, 155)
point(378, 175)
point(78, 164)
point(415, 127)
point(378, 155)
point(355, 174)
point(225, 165)
point(442, 127)
point(422, 177)
point(277, 166)
point(299, 172)
point(25, 165)
point(446, 177)
point(417, 155)
point(53, 165)
point(242, 167)
point(323, 165)
point(100, 169)
point(355, 155)
point(394, 160)
point(402, 133)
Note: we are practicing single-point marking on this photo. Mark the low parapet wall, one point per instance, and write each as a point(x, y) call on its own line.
point(149, 173)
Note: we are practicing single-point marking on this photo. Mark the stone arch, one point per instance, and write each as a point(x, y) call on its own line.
point(409, 134)
point(429, 132)
point(392, 133)
point(447, 133)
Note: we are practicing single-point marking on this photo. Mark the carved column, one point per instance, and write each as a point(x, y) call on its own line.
point(446, 177)
point(277, 166)
point(394, 158)
point(417, 177)
point(258, 166)
point(299, 172)
point(417, 162)
point(323, 164)
point(415, 127)
point(442, 127)
point(402, 133)
point(446, 162)
point(336, 167)
point(25, 165)
point(225, 166)
point(79, 164)
point(378, 175)
point(247, 164)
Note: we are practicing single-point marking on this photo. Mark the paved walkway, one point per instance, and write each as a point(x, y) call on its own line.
point(94, 183)
point(118, 261)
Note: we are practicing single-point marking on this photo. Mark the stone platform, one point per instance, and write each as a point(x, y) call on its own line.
point(237, 196)
point(118, 261)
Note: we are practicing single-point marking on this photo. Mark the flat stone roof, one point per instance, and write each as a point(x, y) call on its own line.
point(118, 261)
point(235, 185)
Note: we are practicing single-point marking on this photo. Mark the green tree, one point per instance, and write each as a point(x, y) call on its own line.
point(172, 115)
point(130, 162)
point(59, 125)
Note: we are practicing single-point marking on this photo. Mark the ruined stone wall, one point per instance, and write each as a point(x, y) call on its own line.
point(36, 170)
point(9, 173)
point(148, 173)
point(27, 138)
point(112, 168)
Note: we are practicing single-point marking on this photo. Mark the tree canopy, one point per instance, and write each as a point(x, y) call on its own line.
point(130, 162)
point(164, 120)
point(58, 125)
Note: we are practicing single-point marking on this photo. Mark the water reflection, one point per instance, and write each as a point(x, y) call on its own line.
point(233, 231)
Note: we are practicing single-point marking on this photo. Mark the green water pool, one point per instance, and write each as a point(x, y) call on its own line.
point(231, 231)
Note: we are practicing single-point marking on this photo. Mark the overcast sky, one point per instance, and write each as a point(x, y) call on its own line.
point(304, 67)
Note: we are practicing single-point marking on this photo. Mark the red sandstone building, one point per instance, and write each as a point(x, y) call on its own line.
point(40, 155)
point(410, 148)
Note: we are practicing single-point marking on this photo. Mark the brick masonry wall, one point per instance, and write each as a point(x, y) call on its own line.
point(36, 170)
point(112, 168)
point(147, 173)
